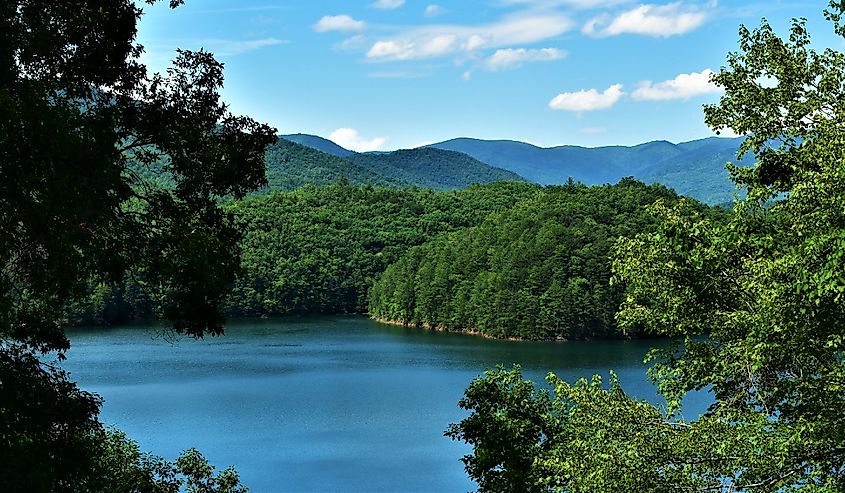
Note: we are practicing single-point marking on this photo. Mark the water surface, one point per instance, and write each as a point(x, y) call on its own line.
point(319, 403)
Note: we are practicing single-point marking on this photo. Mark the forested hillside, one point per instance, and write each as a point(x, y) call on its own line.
point(319, 143)
point(432, 168)
point(291, 165)
point(540, 270)
point(318, 250)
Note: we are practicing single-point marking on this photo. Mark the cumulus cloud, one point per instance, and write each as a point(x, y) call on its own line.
point(350, 139)
point(434, 41)
point(649, 20)
point(514, 58)
point(587, 100)
point(406, 50)
point(341, 22)
point(684, 86)
point(387, 4)
point(434, 10)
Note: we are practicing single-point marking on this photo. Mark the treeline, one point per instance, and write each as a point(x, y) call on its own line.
point(507, 259)
point(318, 250)
point(540, 270)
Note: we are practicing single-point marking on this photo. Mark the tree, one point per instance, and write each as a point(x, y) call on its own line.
point(86, 135)
point(756, 304)
point(82, 124)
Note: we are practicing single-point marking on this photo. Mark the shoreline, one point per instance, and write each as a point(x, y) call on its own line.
point(467, 331)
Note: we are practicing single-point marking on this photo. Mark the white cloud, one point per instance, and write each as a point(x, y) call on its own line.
point(513, 58)
point(466, 75)
point(350, 139)
point(650, 20)
point(587, 100)
point(430, 48)
point(439, 45)
point(474, 42)
point(352, 43)
point(338, 23)
point(387, 4)
point(684, 86)
point(434, 10)
point(389, 49)
point(439, 40)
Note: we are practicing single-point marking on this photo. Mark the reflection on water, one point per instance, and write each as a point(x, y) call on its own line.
point(320, 403)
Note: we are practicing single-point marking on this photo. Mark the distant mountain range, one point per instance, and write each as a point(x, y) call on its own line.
point(299, 159)
point(695, 168)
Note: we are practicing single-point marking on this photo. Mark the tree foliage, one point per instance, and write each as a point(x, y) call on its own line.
point(539, 270)
point(76, 108)
point(756, 303)
point(320, 250)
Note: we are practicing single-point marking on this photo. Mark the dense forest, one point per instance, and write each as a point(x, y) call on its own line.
point(291, 165)
point(318, 249)
point(540, 270)
point(508, 259)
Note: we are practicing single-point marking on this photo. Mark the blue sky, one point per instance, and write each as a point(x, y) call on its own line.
point(389, 74)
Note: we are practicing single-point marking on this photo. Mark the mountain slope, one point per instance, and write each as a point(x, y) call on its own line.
point(432, 168)
point(694, 168)
point(319, 143)
point(291, 165)
point(700, 171)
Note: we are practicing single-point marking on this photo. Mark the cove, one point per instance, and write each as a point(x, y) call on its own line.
point(320, 403)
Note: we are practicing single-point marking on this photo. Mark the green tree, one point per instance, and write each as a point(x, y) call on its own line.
point(756, 305)
point(538, 270)
point(84, 131)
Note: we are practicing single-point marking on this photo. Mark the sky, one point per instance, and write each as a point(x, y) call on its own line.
point(394, 74)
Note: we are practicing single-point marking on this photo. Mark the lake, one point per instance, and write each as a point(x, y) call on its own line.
point(320, 403)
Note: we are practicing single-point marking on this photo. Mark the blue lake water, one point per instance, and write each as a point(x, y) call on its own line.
point(320, 403)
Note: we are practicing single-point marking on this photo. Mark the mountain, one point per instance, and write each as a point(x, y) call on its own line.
point(695, 168)
point(319, 143)
point(432, 168)
point(291, 165)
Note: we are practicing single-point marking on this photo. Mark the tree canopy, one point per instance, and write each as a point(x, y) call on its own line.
point(77, 107)
point(756, 304)
point(539, 270)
